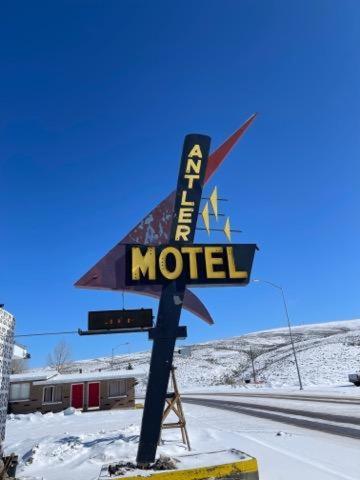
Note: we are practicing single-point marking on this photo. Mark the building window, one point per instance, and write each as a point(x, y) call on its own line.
point(52, 394)
point(117, 388)
point(19, 391)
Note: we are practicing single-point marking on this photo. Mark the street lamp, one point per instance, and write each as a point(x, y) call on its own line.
point(289, 325)
point(114, 348)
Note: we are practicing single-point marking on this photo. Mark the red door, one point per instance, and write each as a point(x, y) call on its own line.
point(77, 395)
point(94, 395)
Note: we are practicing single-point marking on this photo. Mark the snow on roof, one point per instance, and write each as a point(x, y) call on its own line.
point(90, 376)
point(32, 376)
point(19, 352)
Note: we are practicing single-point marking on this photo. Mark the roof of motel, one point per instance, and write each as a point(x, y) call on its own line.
point(32, 376)
point(47, 378)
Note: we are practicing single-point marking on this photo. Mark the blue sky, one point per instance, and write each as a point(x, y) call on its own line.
point(96, 98)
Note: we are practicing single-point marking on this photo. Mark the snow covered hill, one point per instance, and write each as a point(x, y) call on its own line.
point(327, 352)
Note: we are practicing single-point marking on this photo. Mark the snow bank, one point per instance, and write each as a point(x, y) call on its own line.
point(58, 447)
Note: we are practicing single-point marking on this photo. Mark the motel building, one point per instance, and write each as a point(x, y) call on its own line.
point(50, 391)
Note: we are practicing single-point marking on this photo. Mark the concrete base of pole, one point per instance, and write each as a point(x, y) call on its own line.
point(199, 466)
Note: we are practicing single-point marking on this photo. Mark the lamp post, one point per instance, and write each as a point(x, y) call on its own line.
point(289, 325)
point(113, 349)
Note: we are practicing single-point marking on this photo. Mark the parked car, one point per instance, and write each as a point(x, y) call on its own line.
point(247, 378)
point(355, 379)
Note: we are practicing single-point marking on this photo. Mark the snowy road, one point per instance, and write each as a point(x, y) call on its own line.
point(337, 405)
point(334, 424)
point(299, 397)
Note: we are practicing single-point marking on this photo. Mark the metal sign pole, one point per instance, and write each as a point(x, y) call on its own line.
point(188, 196)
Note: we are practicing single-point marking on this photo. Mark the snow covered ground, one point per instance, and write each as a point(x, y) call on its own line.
point(58, 446)
point(327, 353)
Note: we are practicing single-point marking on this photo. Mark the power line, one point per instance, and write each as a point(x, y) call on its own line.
point(40, 334)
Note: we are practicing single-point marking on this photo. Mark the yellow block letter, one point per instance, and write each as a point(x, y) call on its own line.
point(210, 261)
point(182, 231)
point(184, 201)
point(143, 263)
point(231, 263)
point(190, 178)
point(192, 251)
point(191, 165)
point(195, 151)
point(185, 214)
point(171, 275)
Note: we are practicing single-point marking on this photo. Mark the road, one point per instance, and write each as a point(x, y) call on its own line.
point(350, 400)
point(320, 420)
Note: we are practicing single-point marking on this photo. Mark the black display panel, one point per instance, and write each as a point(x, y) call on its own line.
point(120, 319)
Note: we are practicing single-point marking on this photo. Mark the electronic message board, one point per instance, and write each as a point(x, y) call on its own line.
point(120, 319)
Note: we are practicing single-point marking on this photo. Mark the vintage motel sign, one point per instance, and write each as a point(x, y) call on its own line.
point(174, 266)
point(177, 262)
point(154, 229)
